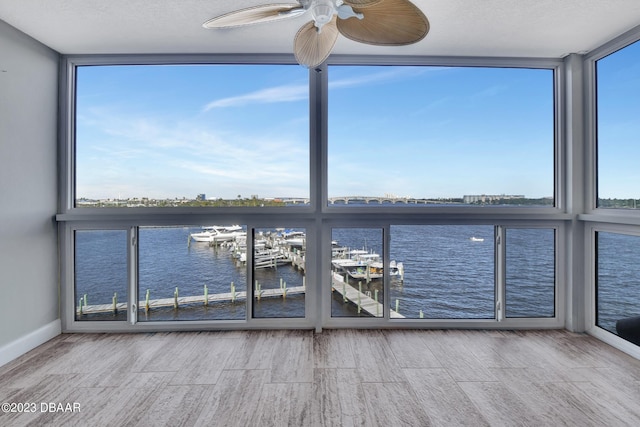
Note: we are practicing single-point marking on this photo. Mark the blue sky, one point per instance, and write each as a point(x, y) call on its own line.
point(446, 132)
point(177, 131)
point(618, 107)
point(166, 131)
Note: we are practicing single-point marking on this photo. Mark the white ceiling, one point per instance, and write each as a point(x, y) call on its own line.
point(526, 28)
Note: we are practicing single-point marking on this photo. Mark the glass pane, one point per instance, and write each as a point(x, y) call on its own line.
point(357, 282)
point(101, 275)
point(617, 280)
point(416, 136)
point(618, 103)
point(530, 272)
point(447, 271)
point(192, 135)
point(188, 273)
point(279, 272)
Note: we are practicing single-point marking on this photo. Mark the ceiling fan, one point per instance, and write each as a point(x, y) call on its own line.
point(376, 22)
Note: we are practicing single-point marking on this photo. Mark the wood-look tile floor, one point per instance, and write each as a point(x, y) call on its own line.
point(335, 378)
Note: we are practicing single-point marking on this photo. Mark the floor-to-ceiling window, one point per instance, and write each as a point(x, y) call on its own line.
point(613, 231)
point(439, 147)
point(266, 195)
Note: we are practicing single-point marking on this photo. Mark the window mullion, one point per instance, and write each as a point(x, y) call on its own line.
point(386, 284)
point(500, 266)
point(133, 275)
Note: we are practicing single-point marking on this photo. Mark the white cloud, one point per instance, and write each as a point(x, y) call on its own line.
point(387, 74)
point(143, 156)
point(289, 93)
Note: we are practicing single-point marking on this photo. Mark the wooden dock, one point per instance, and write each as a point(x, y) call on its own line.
point(279, 257)
point(347, 291)
point(363, 300)
point(297, 259)
point(190, 300)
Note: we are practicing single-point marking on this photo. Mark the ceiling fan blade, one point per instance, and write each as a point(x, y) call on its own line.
point(311, 46)
point(254, 15)
point(388, 23)
point(361, 3)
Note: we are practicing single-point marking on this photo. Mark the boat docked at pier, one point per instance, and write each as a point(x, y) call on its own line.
point(218, 234)
point(293, 238)
point(360, 264)
point(273, 248)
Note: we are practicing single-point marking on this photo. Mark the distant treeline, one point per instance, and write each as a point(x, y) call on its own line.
point(258, 202)
point(619, 203)
point(252, 202)
point(172, 203)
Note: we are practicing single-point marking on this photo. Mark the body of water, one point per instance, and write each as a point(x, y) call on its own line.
point(448, 274)
point(617, 278)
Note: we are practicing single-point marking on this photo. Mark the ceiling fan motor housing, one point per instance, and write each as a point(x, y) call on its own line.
point(323, 11)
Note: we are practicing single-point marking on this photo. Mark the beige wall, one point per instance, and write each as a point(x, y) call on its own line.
point(28, 190)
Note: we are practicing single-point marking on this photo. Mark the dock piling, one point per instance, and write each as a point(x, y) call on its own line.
point(258, 290)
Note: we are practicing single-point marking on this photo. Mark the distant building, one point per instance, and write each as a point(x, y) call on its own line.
point(487, 198)
point(201, 197)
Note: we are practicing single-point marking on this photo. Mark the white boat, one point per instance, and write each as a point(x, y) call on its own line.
point(476, 239)
point(217, 233)
point(363, 265)
point(294, 238)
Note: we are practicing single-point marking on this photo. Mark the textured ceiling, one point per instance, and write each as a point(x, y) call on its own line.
point(527, 28)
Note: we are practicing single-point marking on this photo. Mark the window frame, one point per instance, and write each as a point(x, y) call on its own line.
point(594, 219)
point(558, 88)
point(559, 156)
point(591, 233)
point(318, 218)
point(68, 79)
point(591, 133)
point(596, 230)
point(501, 280)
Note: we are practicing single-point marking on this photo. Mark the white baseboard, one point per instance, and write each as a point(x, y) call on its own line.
point(615, 341)
point(22, 345)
